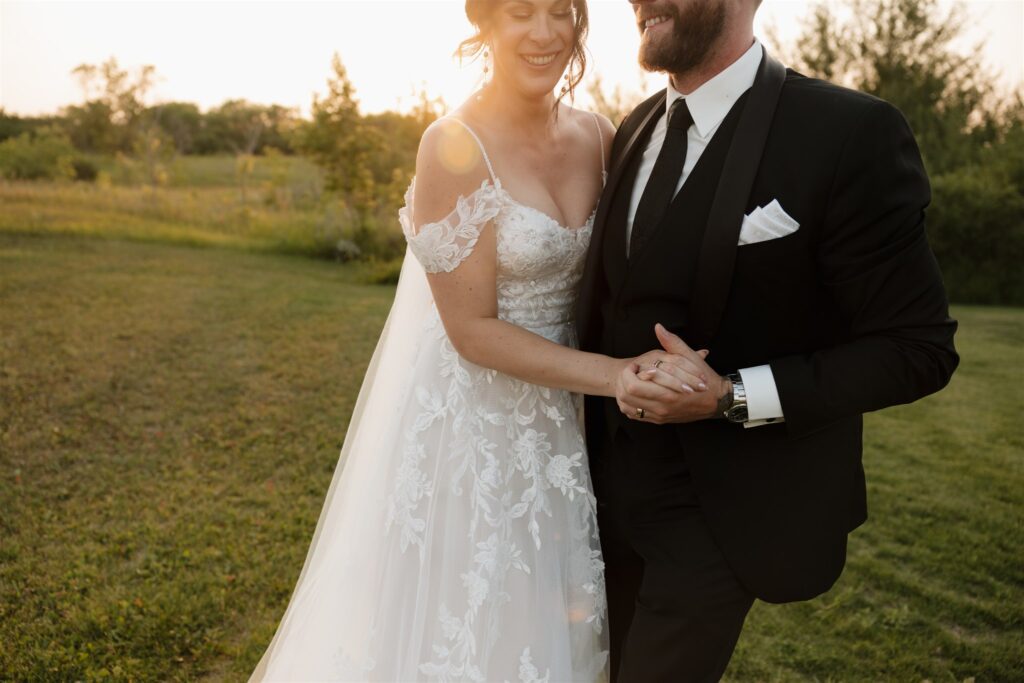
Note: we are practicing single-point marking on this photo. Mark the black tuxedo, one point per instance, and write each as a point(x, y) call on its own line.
point(849, 311)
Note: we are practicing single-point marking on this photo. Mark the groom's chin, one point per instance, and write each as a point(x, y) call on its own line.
point(658, 49)
point(674, 55)
point(655, 57)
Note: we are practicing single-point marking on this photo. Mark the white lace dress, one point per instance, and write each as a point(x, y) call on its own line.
point(483, 561)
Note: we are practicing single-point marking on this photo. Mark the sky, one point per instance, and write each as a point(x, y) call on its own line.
point(279, 51)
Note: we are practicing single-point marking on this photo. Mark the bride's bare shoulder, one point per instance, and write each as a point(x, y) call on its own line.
point(587, 123)
point(449, 165)
point(587, 117)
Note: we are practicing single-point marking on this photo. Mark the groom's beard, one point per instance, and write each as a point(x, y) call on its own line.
point(695, 30)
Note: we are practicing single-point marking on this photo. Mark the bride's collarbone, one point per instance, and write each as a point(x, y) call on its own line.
point(563, 188)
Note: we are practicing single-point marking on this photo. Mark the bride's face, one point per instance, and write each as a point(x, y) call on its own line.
point(532, 41)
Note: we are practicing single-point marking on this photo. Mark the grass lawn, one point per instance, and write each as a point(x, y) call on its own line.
point(170, 418)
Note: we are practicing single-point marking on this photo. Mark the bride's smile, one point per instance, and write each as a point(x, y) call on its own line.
point(541, 61)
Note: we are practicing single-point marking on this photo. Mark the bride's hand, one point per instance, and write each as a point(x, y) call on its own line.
point(652, 387)
point(672, 371)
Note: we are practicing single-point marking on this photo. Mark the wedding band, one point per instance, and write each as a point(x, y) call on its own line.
point(658, 362)
point(640, 413)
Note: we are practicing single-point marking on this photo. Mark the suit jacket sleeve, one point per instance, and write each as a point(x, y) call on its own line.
point(875, 265)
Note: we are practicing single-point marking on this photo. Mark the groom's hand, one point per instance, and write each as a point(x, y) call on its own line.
point(643, 390)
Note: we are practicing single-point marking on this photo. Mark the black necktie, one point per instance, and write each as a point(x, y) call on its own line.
point(661, 186)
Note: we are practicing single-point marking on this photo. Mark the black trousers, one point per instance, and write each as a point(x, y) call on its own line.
point(675, 608)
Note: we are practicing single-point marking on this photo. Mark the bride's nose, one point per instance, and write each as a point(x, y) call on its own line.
point(541, 30)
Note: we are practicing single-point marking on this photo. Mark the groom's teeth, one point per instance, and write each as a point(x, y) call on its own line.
point(540, 61)
point(653, 21)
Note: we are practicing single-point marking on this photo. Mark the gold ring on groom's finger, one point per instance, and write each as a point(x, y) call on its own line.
point(640, 413)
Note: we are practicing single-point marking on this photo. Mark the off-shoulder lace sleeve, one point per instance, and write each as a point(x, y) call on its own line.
point(440, 247)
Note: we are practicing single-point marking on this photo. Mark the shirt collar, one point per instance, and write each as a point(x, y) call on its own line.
point(709, 103)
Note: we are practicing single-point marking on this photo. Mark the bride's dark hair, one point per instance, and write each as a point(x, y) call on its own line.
point(479, 13)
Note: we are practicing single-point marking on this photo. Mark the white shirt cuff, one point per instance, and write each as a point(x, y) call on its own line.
point(763, 404)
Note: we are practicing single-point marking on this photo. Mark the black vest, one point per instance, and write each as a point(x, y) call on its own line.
point(655, 284)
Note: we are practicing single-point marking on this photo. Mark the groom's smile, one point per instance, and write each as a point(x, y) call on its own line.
point(653, 21)
point(649, 16)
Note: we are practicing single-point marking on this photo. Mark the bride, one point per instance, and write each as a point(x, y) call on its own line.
point(460, 540)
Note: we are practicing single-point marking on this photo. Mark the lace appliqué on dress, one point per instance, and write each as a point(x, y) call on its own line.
point(440, 247)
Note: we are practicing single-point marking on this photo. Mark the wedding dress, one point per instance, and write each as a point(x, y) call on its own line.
point(459, 538)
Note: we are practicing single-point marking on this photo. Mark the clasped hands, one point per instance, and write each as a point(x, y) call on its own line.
point(672, 385)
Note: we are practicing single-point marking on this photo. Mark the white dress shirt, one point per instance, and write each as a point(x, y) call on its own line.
point(709, 104)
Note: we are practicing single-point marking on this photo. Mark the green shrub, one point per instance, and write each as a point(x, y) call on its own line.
point(85, 170)
point(43, 154)
point(976, 228)
point(348, 234)
point(384, 272)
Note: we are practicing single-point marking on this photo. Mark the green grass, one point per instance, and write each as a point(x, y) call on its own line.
point(170, 418)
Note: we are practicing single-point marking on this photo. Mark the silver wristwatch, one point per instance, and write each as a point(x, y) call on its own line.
point(736, 411)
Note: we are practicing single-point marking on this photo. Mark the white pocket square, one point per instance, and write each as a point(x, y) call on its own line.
point(767, 223)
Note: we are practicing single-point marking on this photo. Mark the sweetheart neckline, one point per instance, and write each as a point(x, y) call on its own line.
point(589, 223)
point(586, 224)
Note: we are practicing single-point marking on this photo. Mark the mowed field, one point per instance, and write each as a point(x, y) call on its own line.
point(170, 418)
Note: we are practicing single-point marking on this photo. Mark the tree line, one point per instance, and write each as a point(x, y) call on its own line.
point(113, 118)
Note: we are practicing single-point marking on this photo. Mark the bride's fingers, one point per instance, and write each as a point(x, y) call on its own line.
point(684, 373)
point(637, 388)
point(673, 377)
point(669, 363)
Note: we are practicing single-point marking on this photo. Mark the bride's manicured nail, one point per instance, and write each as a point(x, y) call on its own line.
point(687, 388)
point(702, 386)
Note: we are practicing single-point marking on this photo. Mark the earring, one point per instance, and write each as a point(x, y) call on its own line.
point(487, 56)
point(565, 86)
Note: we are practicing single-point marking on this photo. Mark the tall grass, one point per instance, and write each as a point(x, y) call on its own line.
point(283, 210)
point(210, 216)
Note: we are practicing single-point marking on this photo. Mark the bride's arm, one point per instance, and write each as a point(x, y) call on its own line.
point(466, 296)
point(467, 301)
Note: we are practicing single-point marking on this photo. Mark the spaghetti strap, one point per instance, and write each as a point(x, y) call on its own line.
point(487, 159)
point(600, 137)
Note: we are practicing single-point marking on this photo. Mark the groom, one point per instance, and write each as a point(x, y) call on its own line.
point(777, 221)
